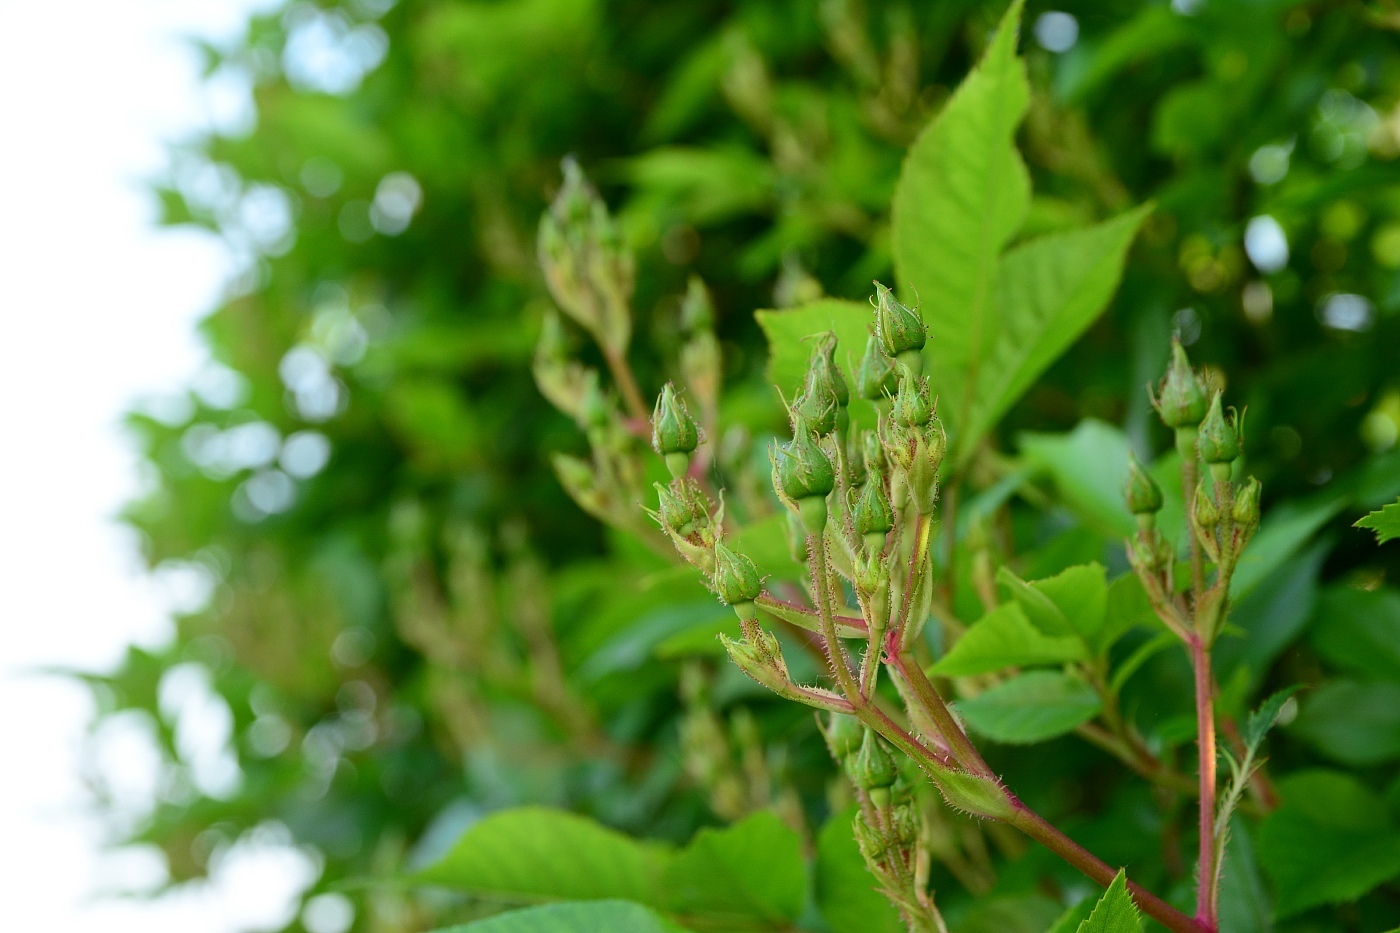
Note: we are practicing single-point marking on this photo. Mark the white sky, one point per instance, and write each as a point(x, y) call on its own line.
point(96, 309)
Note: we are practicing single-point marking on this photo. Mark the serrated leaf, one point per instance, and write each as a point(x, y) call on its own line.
point(752, 870)
point(1039, 608)
point(1263, 718)
point(1385, 522)
point(1081, 593)
point(846, 893)
point(1331, 841)
point(535, 853)
point(1115, 912)
point(595, 917)
point(1002, 638)
point(962, 195)
point(1032, 707)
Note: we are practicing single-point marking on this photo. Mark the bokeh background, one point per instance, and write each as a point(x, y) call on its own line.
point(279, 493)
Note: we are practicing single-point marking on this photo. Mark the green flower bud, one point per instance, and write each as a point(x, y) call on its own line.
point(922, 474)
point(914, 404)
point(817, 406)
point(843, 735)
point(1181, 399)
point(1206, 512)
point(900, 329)
point(761, 657)
point(876, 377)
point(803, 468)
point(1244, 511)
point(673, 432)
point(873, 769)
point(1219, 440)
point(1141, 491)
point(822, 369)
point(683, 507)
point(873, 452)
point(736, 580)
point(871, 514)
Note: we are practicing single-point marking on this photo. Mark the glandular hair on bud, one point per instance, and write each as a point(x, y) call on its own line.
point(1219, 440)
point(736, 580)
point(1181, 398)
point(674, 434)
point(873, 769)
point(802, 467)
point(1244, 511)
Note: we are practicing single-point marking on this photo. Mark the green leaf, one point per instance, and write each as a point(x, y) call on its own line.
point(1126, 607)
point(789, 348)
point(1359, 630)
point(1039, 608)
point(962, 195)
point(847, 894)
point(752, 870)
point(1032, 707)
point(997, 321)
point(1073, 602)
point(595, 917)
point(1115, 912)
point(1263, 718)
point(1283, 531)
point(1353, 723)
point(534, 853)
point(1048, 293)
point(1089, 466)
point(1245, 905)
point(1002, 638)
point(1008, 913)
point(1071, 919)
point(1331, 841)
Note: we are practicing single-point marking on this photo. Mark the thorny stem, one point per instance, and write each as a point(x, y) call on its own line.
point(835, 650)
point(1206, 886)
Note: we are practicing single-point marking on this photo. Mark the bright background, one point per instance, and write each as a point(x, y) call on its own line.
point(97, 311)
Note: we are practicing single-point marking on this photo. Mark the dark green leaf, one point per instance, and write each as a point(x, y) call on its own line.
point(847, 894)
point(595, 917)
point(1353, 723)
point(1359, 630)
point(752, 870)
point(1032, 707)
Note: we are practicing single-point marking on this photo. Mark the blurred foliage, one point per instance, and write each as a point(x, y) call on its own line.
point(409, 624)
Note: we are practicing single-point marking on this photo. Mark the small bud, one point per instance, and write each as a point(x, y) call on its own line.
point(1219, 440)
point(873, 769)
point(876, 378)
point(900, 329)
point(871, 514)
point(1206, 512)
point(873, 452)
point(1143, 494)
point(682, 507)
point(673, 432)
point(816, 405)
point(697, 309)
point(736, 580)
point(581, 483)
point(1181, 400)
point(803, 469)
point(843, 735)
point(761, 657)
point(914, 405)
point(822, 368)
point(1244, 511)
point(922, 474)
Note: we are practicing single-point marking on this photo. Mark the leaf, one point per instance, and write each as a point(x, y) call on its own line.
point(1089, 466)
point(847, 894)
point(1002, 638)
point(750, 870)
point(962, 195)
point(1331, 841)
point(1263, 719)
point(1071, 919)
point(789, 348)
point(1032, 707)
point(1359, 630)
point(1008, 913)
point(1353, 723)
point(534, 853)
point(1115, 912)
point(1126, 607)
point(1039, 608)
point(1282, 533)
point(1073, 602)
point(1048, 293)
point(1245, 905)
point(594, 917)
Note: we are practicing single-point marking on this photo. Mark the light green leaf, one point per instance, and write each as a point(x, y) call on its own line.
point(1039, 608)
point(534, 854)
point(1008, 913)
point(1032, 707)
point(1354, 723)
point(1071, 919)
point(1115, 912)
point(1048, 292)
point(1002, 638)
point(752, 870)
point(595, 917)
point(1089, 466)
point(847, 894)
point(1127, 607)
point(1359, 630)
point(1081, 593)
point(1384, 522)
point(1331, 841)
point(789, 347)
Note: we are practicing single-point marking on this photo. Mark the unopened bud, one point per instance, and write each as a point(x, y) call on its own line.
point(673, 432)
point(682, 507)
point(1181, 400)
point(803, 468)
point(873, 769)
point(914, 405)
point(843, 735)
point(873, 453)
point(900, 329)
point(595, 412)
point(876, 378)
point(736, 580)
point(816, 406)
point(761, 657)
point(1244, 511)
point(1143, 494)
point(822, 369)
point(922, 473)
point(871, 514)
point(1219, 441)
point(580, 482)
point(1206, 512)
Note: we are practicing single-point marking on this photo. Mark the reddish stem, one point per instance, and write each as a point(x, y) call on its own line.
point(1206, 888)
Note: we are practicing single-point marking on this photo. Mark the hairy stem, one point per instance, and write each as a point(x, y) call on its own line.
point(1206, 887)
point(932, 704)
